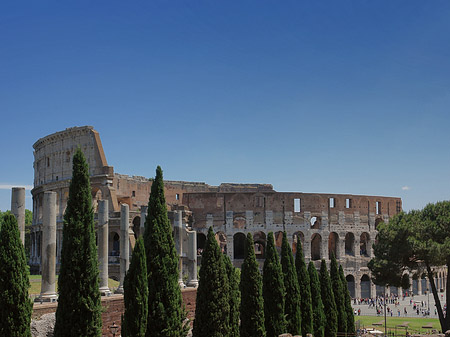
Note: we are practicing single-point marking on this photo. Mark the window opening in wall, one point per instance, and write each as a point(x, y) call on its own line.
point(332, 202)
point(378, 206)
point(48, 162)
point(398, 206)
point(297, 205)
point(133, 193)
point(177, 196)
point(348, 203)
point(313, 221)
point(56, 178)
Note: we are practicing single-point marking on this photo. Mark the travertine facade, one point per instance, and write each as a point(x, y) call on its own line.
point(325, 223)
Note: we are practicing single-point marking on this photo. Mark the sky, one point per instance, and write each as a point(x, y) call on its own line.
point(348, 97)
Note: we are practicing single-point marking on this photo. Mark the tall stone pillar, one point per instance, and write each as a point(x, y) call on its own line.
point(102, 235)
point(144, 210)
point(192, 256)
point(230, 246)
point(48, 286)
point(177, 229)
point(124, 244)
point(18, 209)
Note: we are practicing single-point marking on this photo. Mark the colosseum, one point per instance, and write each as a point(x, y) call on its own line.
point(343, 224)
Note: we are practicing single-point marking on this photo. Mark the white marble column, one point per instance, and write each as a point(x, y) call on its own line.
point(177, 229)
point(192, 256)
point(124, 244)
point(102, 235)
point(144, 210)
point(18, 209)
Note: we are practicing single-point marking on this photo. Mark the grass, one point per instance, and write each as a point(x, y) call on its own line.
point(35, 281)
point(414, 324)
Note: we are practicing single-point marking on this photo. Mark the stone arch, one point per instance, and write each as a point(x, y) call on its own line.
point(259, 239)
point(201, 241)
point(365, 286)
point(114, 244)
point(415, 286)
point(350, 244)
point(316, 222)
point(364, 244)
point(333, 245)
point(316, 245)
point(239, 246)
point(296, 236)
point(377, 222)
point(221, 239)
point(278, 236)
point(351, 285)
point(137, 227)
point(424, 284)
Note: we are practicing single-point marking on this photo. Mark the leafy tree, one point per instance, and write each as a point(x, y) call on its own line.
point(166, 314)
point(212, 310)
point(134, 322)
point(348, 304)
point(252, 305)
point(273, 291)
point(234, 297)
point(15, 306)
point(329, 303)
point(339, 295)
point(292, 302)
point(28, 221)
point(79, 296)
point(305, 291)
point(319, 319)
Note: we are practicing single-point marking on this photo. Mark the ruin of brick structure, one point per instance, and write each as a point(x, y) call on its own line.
point(342, 224)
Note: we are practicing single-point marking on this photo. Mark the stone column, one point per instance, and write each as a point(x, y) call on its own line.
point(124, 244)
point(192, 256)
point(230, 246)
point(102, 235)
point(144, 210)
point(177, 229)
point(48, 286)
point(18, 209)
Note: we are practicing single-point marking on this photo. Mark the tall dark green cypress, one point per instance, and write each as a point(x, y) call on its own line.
point(252, 305)
point(329, 303)
point(348, 304)
point(166, 314)
point(292, 301)
point(79, 296)
point(234, 297)
point(134, 322)
point(305, 291)
point(339, 295)
point(212, 309)
point(319, 319)
point(15, 306)
point(274, 291)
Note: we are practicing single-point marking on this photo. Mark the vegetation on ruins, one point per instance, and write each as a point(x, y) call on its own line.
point(79, 296)
point(339, 295)
point(234, 297)
point(273, 291)
point(329, 304)
point(347, 303)
point(305, 290)
point(212, 310)
point(292, 301)
point(319, 319)
point(166, 314)
point(134, 321)
point(414, 242)
point(252, 306)
point(15, 305)
point(28, 221)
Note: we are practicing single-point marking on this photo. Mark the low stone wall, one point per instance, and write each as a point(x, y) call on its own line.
point(113, 308)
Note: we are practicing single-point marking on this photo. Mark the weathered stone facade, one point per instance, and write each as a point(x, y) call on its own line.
point(325, 223)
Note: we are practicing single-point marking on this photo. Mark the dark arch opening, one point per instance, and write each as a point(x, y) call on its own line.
point(239, 246)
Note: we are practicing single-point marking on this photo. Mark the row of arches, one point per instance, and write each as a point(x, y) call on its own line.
point(259, 239)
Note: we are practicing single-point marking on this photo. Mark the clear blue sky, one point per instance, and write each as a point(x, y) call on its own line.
point(310, 96)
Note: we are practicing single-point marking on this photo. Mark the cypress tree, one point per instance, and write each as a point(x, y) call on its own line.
point(212, 310)
point(79, 296)
point(15, 306)
point(348, 304)
point(292, 302)
point(329, 303)
point(234, 297)
point(273, 291)
point(166, 314)
point(252, 306)
point(339, 295)
point(134, 322)
point(305, 291)
point(319, 319)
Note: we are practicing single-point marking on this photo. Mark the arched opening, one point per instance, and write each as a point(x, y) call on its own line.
point(316, 243)
point(114, 244)
point(201, 240)
point(351, 285)
point(333, 245)
point(239, 246)
point(315, 222)
point(377, 222)
point(424, 284)
point(296, 237)
point(137, 227)
point(349, 244)
point(278, 241)
point(394, 290)
point(365, 286)
point(364, 244)
point(379, 290)
point(221, 239)
point(259, 239)
point(415, 286)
